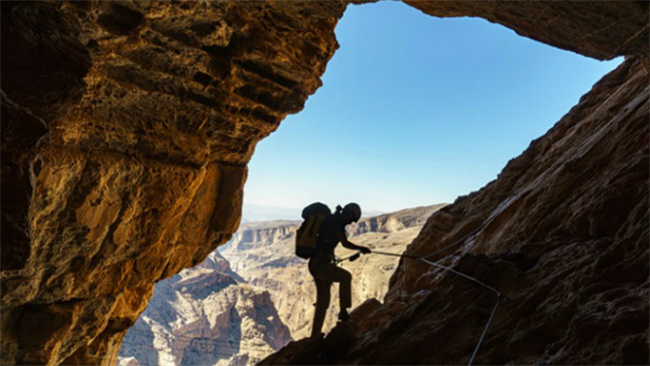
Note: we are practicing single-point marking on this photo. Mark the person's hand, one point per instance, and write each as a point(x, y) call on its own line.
point(365, 250)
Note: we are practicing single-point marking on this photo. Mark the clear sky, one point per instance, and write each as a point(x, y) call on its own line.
point(416, 110)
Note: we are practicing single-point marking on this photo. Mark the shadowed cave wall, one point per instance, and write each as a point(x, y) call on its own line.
point(127, 127)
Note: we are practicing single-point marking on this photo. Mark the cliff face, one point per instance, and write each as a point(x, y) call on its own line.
point(563, 233)
point(127, 127)
point(205, 316)
point(153, 110)
point(264, 254)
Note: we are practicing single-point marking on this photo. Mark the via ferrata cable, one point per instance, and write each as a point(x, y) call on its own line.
point(500, 296)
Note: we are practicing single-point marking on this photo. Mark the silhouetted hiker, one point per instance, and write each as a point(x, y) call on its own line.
point(322, 265)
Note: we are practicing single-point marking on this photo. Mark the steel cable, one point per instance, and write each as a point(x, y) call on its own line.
point(468, 277)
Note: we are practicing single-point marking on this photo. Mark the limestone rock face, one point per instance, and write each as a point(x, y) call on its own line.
point(150, 113)
point(127, 127)
point(562, 233)
point(264, 255)
point(205, 315)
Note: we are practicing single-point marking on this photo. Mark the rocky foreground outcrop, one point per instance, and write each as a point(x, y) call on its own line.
point(264, 255)
point(127, 127)
point(206, 315)
point(562, 233)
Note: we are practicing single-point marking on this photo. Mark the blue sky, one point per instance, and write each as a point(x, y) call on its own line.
point(416, 110)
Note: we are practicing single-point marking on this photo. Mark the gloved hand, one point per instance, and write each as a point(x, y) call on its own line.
point(365, 250)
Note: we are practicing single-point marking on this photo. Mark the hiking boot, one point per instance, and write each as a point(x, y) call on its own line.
point(344, 316)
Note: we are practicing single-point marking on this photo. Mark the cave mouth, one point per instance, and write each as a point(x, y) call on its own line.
point(464, 103)
point(127, 150)
point(414, 110)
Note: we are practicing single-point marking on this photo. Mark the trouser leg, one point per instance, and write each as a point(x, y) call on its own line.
point(336, 274)
point(322, 303)
point(345, 292)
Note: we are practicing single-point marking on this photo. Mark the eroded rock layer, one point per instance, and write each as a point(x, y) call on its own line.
point(205, 315)
point(562, 233)
point(153, 110)
point(127, 126)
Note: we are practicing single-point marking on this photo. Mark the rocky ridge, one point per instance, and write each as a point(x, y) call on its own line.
point(125, 121)
point(206, 315)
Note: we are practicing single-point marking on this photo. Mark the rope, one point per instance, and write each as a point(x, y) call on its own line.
point(461, 274)
point(471, 360)
point(395, 255)
point(495, 213)
point(461, 240)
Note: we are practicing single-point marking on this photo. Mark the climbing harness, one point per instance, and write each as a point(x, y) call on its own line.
point(500, 296)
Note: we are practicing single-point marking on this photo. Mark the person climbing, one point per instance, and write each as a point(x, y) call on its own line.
point(323, 268)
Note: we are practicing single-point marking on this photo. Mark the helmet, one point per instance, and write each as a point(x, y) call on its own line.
point(352, 211)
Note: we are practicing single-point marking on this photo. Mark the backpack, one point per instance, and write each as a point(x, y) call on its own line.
point(307, 235)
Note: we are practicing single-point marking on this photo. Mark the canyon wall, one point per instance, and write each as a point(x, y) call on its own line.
point(127, 127)
point(205, 315)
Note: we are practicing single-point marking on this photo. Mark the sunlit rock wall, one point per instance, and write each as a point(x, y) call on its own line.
point(153, 110)
point(205, 315)
point(127, 127)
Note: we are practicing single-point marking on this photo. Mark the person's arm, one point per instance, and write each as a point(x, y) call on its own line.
point(348, 244)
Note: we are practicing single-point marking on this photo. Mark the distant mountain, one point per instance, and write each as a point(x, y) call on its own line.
point(206, 315)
